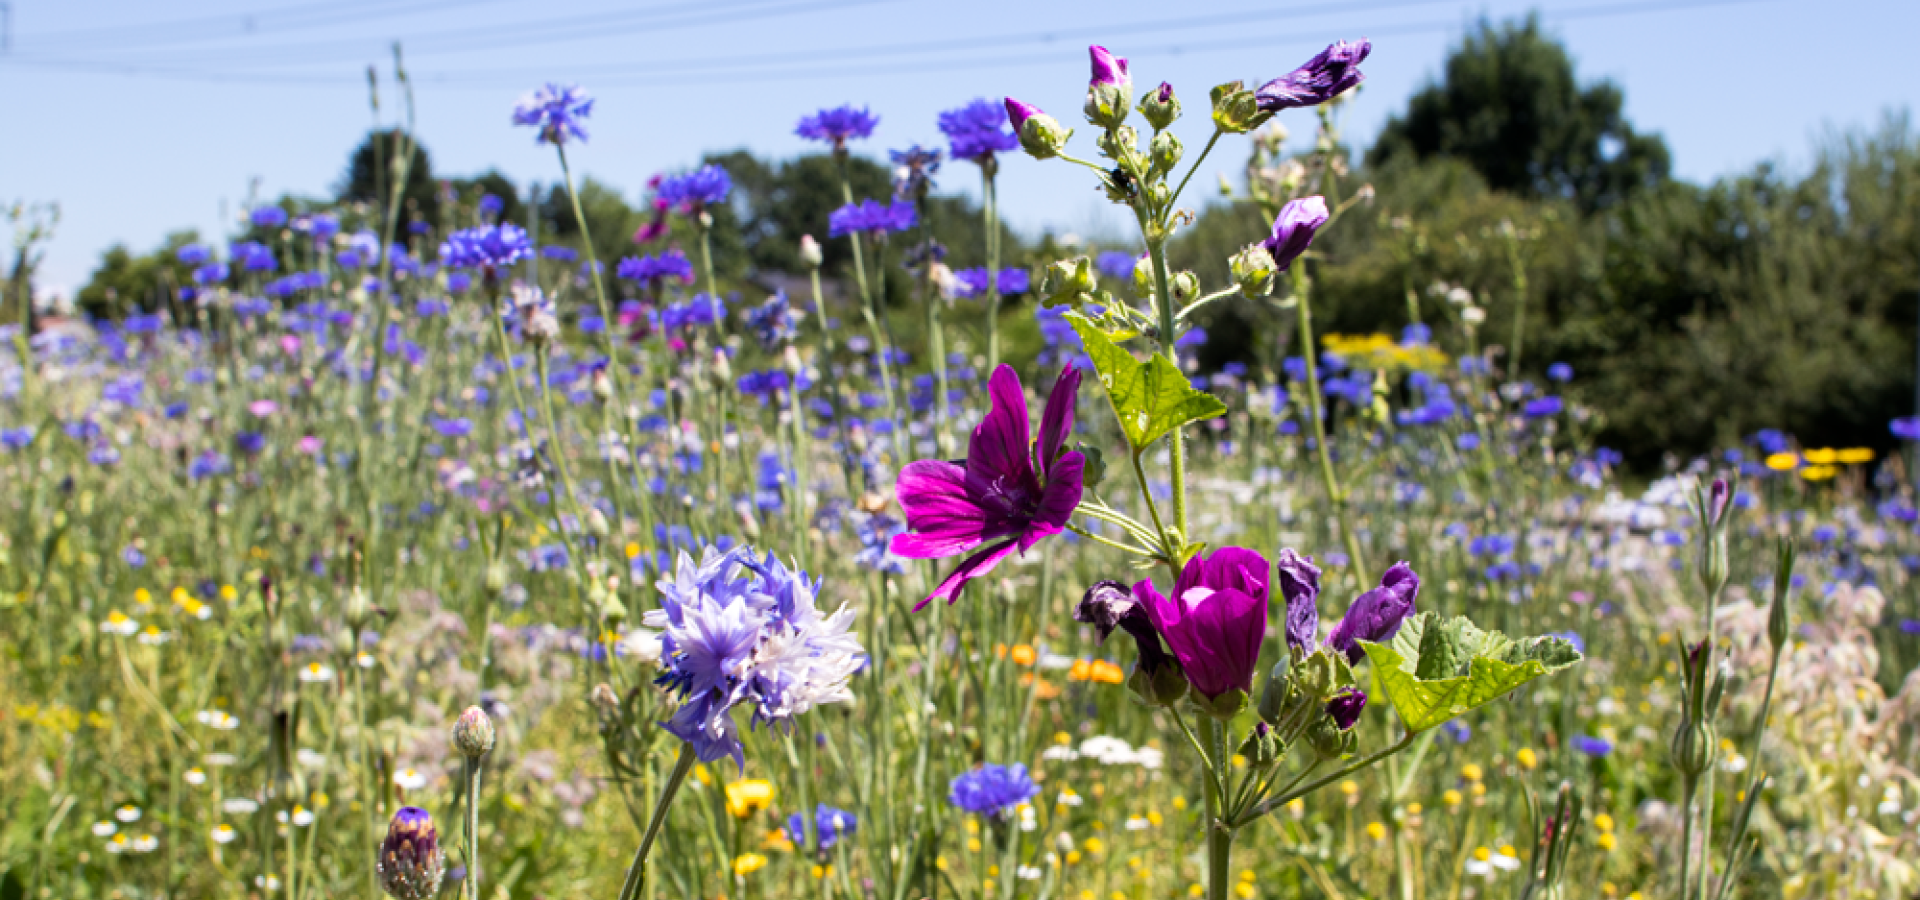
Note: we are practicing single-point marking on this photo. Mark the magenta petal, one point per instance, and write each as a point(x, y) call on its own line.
point(1239, 569)
point(1058, 501)
point(1229, 624)
point(943, 517)
point(1056, 422)
point(972, 567)
point(998, 450)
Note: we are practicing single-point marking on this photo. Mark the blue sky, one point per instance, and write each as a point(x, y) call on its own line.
point(140, 118)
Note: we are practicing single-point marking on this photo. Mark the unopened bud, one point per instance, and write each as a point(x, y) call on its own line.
point(1262, 747)
point(410, 864)
point(1236, 110)
point(473, 733)
point(1692, 747)
point(1780, 614)
point(1068, 280)
point(357, 608)
point(1186, 286)
point(1161, 686)
point(1165, 152)
point(1160, 107)
point(810, 253)
point(1253, 270)
point(1273, 694)
point(495, 579)
point(722, 367)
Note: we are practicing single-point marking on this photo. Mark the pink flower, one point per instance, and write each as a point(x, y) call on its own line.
point(309, 445)
point(263, 408)
point(1003, 495)
point(290, 344)
point(1215, 620)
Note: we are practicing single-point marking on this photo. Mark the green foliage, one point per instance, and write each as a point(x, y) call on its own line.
point(1433, 671)
point(1149, 398)
point(1510, 106)
point(124, 283)
point(370, 168)
point(610, 219)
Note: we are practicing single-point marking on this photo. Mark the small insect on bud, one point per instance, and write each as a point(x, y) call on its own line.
point(410, 864)
point(473, 733)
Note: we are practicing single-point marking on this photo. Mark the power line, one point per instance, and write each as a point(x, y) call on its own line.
point(207, 28)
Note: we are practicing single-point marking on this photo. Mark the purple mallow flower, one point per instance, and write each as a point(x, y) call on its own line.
point(837, 126)
point(871, 217)
point(556, 111)
point(1322, 78)
point(975, 131)
point(992, 790)
point(1377, 614)
point(1003, 495)
point(1293, 229)
point(1215, 620)
point(1300, 585)
point(1108, 69)
point(1018, 113)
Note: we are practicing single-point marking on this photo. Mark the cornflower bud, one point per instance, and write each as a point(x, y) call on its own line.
point(810, 252)
point(495, 579)
point(410, 864)
point(473, 733)
point(1780, 613)
point(1160, 107)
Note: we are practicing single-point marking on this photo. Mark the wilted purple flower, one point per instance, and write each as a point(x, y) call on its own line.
point(696, 190)
point(992, 790)
point(410, 864)
point(1293, 229)
point(837, 126)
point(1004, 493)
point(557, 112)
point(1377, 614)
point(1109, 605)
point(1300, 585)
point(870, 217)
point(1322, 78)
point(974, 132)
point(489, 247)
point(1216, 619)
point(1345, 707)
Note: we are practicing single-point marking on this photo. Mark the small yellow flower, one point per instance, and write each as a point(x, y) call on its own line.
point(1195, 890)
point(1526, 758)
point(142, 597)
point(1821, 456)
point(1451, 798)
point(1471, 772)
point(1376, 831)
point(1073, 857)
point(1243, 890)
point(1349, 787)
point(1179, 803)
point(703, 776)
point(1239, 762)
point(820, 871)
point(1413, 809)
point(228, 594)
point(1246, 874)
point(1606, 840)
point(1153, 818)
point(1783, 462)
point(1023, 655)
point(1853, 456)
point(1603, 822)
point(1062, 738)
point(973, 844)
point(1095, 846)
point(632, 549)
point(1818, 473)
point(1482, 854)
point(748, 863)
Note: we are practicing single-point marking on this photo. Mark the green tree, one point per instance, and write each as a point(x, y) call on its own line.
point(125, 283)
point(371, 166)
point(1510, 106)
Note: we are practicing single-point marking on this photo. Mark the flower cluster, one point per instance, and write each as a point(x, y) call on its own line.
point(736, 631)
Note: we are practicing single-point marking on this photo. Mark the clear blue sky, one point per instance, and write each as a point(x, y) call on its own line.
point(140, 118)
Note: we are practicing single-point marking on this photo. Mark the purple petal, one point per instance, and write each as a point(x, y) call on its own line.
point(1056, 422)
point(1293, 229)
point(1018, 113)
point(1377, 614)
point(997, 454)
point(1058, 500)
point(943, 517)
point(1300, 585)
point(972, 567)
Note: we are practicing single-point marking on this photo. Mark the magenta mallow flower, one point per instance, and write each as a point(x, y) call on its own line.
point(1293, 229)
point(1322, 78)
point(1377, 614)
point(1215, 619)
point(1007, 495)
point(1018, 113)
point(1108, 69)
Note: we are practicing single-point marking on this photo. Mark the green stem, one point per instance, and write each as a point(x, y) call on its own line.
point(988, 209)
point(637, 873)
point(1317, 410)
point(473, 827)
point(1217, 132)
point(1267, 806)
point(1177, 443)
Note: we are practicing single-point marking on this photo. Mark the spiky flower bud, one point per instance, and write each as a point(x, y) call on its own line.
point(1253, 270)
point(410, 864)
point(1160, 106)
point(473, 733)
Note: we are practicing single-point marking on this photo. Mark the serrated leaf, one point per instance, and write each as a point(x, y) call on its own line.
point(1433, 671)
point(1149, 398)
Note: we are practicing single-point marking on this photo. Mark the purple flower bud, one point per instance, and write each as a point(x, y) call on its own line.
point(1293, 229)
point(1717, 498)
point(410, 864)
point(1164, 93)
point(1107, 68)
point(1377, 614)
point(1345, 707)
point(1300, 584)
point(1322, 78)
point(1018, 113)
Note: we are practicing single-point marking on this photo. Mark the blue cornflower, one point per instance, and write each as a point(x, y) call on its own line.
point(973, 282)
point(741, 632)
point(1542, 407)
point(992, 790)
point(490, 206)
point(268, 217)
point(1560, 372)
point(556, 111)
point(774, 322)
point(695, 190)
point(829, 825)
point(837, 126)
point(1593, 746)
point(1906, 429)
point(977, 131)
point(489, 247)
point(871, 217)
point(876, 543)
point(703, 310)
point(913, 170)
point(1116, 265)
point(555, 251)
point(17, 438)
point(207, 465)
point(132, 556)
point(1416, 334)
point(253, 256)
point(648, 270)
point(193, 255)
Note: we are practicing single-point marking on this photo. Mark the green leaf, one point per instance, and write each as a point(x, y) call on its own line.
point(1434, 670)
point(1149, 398)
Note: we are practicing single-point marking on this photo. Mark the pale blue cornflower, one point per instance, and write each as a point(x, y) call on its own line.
point(837, 126)
point(557, 112)
point(695, 190)
point(977, 131)
point(489, 248)
point(736, 631)
point(871, 217)
point(993, 790)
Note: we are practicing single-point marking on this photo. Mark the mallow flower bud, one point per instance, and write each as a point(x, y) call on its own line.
point(1160, 106)
point(410, 864)
point(1186, 286)
point(1253, 270)
point(1068, 279)
point(1143, 276)
point(473, 733)
point(1236, 110)
point(1110, 89)
point(1328, 741)
point(1273, 695)
point(1165, 151)
point(1040, 135)
point(1262, 747)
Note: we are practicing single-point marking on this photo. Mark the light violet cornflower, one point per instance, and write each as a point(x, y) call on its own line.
point(837, 126)
point(557, 112)
point(871, 217)
point(695, 190)
point(977, 131)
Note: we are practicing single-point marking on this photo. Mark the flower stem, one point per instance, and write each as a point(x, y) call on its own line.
point(992, 215)
point(637, 873)
point(1217, 132)
point(473, 826)
point(1316, 410)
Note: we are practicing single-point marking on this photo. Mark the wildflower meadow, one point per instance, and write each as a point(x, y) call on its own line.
point(412, 552)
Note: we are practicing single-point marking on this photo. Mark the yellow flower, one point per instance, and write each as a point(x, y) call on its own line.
point(1023, 654)
point(632, 549)
point(1095, 846)
point(141, 597)
point(1451, 798)
point(1603, 822)
point(1062, 738)
point(1605, 840)
point(228, 594)
point(1153, 818)
point(820, 871)
point(1818, 473)
point(1471, 772)
point(744, 798)
point(1482, 854)
point(748, 863)
point(1243, 890)
point(1526, 758)
point(1376, 831)
point(1853, 456)
point(703, 776)
point(1195, 890)
point(973, 845)
point(1246, 874)
point(1349, 787)
point(1822, 456)
point(1783, 462)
